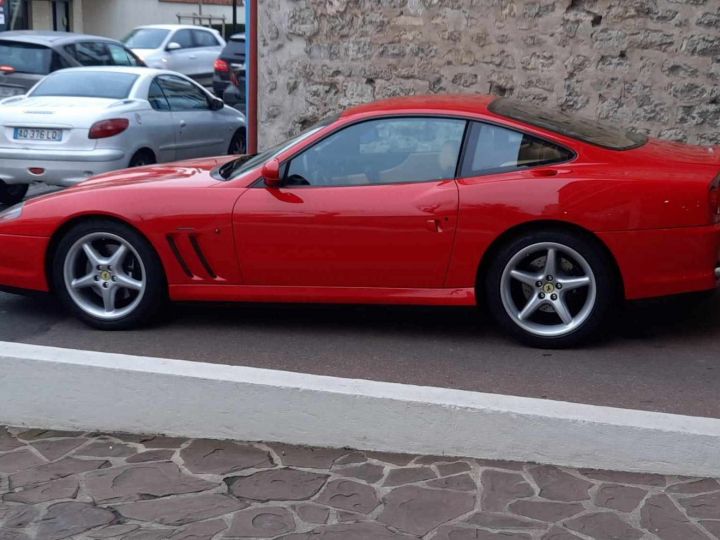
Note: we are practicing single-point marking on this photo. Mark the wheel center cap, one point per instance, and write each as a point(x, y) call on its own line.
point(105, 275)
point(549, 288)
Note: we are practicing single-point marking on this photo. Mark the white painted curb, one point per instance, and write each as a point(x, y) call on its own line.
point(48, 387)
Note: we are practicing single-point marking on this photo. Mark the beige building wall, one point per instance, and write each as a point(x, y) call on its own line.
point(115, 18)
point(41, 15)
point(650, 64)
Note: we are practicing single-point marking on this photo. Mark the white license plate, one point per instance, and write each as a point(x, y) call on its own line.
point(7, 91)
point(38, 134)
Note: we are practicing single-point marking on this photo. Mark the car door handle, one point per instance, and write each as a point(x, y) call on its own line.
point(193, 56)
point(433, 225)
point(183, 123)
point(544, 173)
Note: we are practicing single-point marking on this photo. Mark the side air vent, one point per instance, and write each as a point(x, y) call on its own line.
point(201, 256)
point(179, 257)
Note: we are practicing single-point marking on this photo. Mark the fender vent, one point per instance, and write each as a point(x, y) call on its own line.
point(179, 257)
point(201, 257)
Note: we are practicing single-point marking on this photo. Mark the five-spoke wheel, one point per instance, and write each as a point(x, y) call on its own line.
point(108, 274)
point(550, 289)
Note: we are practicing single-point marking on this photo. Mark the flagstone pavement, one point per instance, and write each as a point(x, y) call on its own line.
point(56, 485)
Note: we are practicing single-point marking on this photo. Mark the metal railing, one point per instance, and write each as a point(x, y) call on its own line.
point(198, 19)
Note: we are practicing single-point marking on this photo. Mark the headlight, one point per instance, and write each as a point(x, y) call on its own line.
point(13, 212)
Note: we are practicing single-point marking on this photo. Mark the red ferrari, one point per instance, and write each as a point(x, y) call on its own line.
point(547, 219)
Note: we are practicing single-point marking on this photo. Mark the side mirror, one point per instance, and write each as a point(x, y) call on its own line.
point(173, 46)
point(271, 173)
point(216, 104)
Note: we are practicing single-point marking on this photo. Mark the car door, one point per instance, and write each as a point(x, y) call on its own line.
point(372, 205)
point(183, 59)
point(198, 132)
point(160, 124)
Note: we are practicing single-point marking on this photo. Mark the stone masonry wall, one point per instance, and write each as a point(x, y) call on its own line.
point(650, 64)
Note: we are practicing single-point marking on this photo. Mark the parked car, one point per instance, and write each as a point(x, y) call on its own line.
point(190, 50)
point(548, 219)
point(234, 94)
point(231, 61)
point(80, 122)
point(27, 56)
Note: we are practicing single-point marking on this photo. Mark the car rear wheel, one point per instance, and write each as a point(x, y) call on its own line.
point(551, 289)
point(108, 275)
point(238, 143)
point(142, 158)
point(12, 193)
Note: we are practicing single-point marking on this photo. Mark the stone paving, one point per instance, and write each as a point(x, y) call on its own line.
point(56, 485)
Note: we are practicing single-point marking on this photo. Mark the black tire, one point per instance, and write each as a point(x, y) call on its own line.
point(141, 158)
point(598, 310)
point(238, 144)
point(154, 297)
point(12, 193)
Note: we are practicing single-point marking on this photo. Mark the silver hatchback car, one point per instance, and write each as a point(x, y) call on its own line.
point(190, 50)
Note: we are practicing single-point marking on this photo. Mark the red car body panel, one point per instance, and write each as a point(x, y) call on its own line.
point(415, 243)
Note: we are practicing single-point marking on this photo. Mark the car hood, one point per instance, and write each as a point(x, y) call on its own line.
point(191, 173)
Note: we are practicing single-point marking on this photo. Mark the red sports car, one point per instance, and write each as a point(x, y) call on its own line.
point(547, 219)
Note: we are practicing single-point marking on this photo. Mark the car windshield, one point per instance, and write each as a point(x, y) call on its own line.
point(577, 127)
point(25, 58)
point(235, 168)
point(98, 84)
point(145, 38)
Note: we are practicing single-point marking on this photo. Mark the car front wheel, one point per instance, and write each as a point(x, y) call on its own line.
point(12, 193)
point(108, 275)
point(551, 289)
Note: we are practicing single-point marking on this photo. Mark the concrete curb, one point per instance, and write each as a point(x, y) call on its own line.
point(68, 389)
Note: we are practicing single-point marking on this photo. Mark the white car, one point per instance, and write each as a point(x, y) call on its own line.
point(80, 122)
point(190, 50)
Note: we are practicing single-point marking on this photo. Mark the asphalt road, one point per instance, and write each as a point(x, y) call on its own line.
point(661, 356)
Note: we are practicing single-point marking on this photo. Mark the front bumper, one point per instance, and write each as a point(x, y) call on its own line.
point(22, 262)
point(61, 168)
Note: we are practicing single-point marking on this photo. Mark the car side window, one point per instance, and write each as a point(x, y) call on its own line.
point(90, 53)
point(205, 39)
point(383, 151)
point(494, 149)
point(121, 56)
point(184, 38)
point(157, 98)
point(183, 95)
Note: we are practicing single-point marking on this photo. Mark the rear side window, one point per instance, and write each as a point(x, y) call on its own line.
point(28, 58)
point(90, 53)
point(100, 84)
point(583, 129)
point(493, 149)
point(205, 39)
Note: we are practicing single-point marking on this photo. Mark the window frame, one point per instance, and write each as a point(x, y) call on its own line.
point(155, 80)
point(199, 88)
point(197, 43)
point(466, 155)
point(284, 166)
point(260, 183)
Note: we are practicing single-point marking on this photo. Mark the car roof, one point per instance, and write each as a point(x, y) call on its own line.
point(142, 71)
point(48, 37)
point(459, 103)
point(177, 27)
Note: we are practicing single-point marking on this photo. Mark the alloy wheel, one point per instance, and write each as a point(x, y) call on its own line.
point(104, 276)
point(548, 289)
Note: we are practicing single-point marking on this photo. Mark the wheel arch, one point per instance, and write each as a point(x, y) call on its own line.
point(144, 148)
point(543, 225)
point(72, 222)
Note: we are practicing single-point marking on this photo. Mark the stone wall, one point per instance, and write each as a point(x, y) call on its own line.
point(650, 64)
